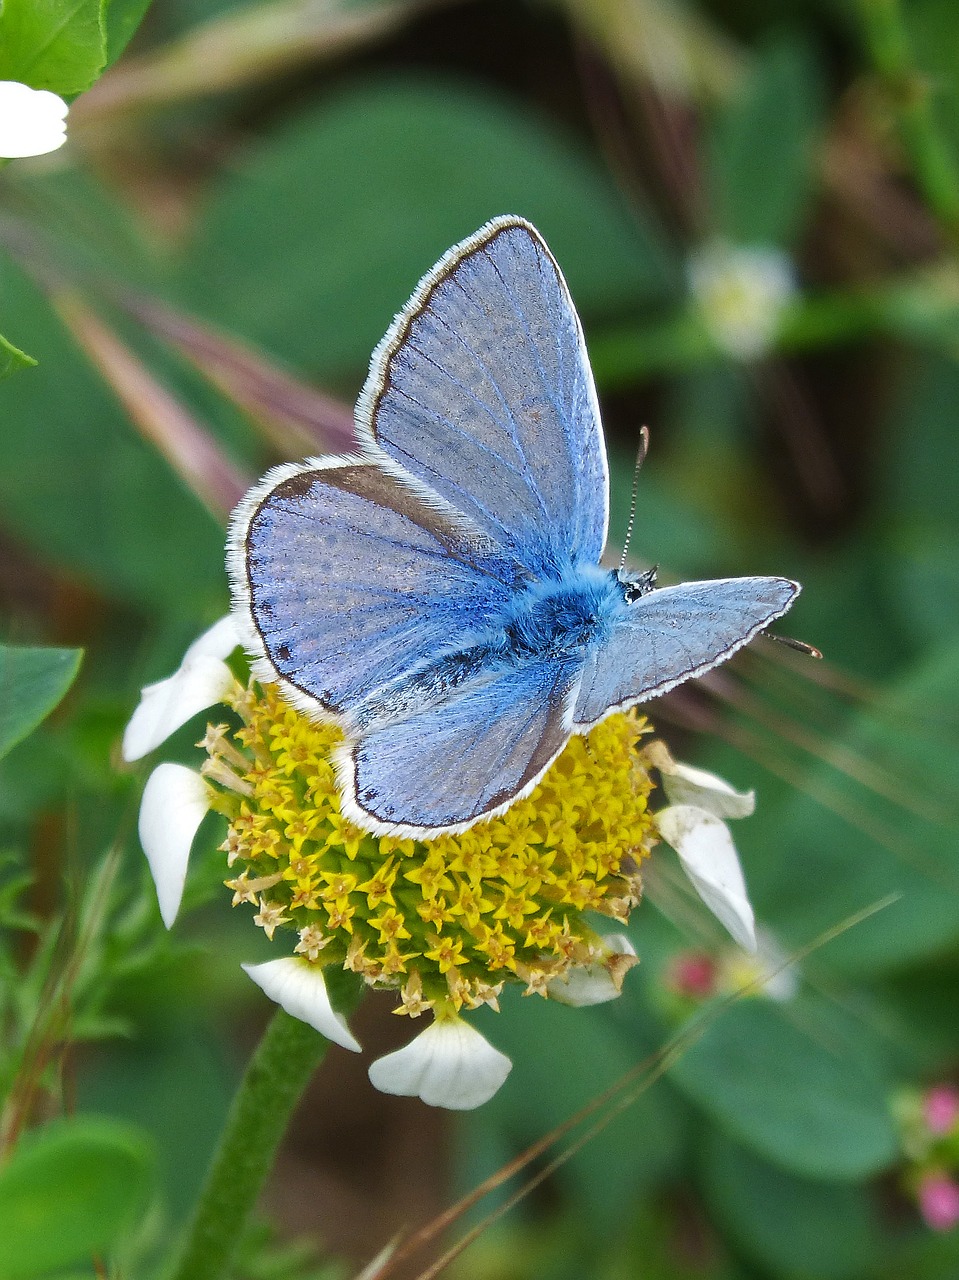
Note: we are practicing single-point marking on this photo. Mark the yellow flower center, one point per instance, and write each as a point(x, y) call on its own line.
point(448, 921)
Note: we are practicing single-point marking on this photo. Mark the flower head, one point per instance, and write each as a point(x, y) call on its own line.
point(32, 121)
point(444, 924)
point(741, 293)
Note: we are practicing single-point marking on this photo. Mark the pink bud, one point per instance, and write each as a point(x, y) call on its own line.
point(940, 1109)
point(939, 1201)
point(693, 974)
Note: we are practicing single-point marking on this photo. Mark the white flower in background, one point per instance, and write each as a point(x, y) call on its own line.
point(32, 121)
point(769, 970)
point(693, 825)
point(740, 293)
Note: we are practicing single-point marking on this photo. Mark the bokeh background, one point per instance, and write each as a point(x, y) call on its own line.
point(246, 198)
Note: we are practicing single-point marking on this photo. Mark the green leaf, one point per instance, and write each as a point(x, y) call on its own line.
point(52, 44)
point(312, 244)
point(797, 1228)
point(70, 1191)
point(32, 682)
point(789, 1096)
point(122, 19)
point(12, 359)
point(854, 846)
point(761, 150)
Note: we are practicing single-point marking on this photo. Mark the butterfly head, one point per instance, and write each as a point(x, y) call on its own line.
point(636, 585)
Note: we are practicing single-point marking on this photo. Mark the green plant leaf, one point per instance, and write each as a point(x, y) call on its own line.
point(71, 1190)
point(32, 682)
point(52, 44)
point(312, 244)
point(122, 19)
point(799, 1229)
point(761, 149)
point(12, 359)
point(788, 1095)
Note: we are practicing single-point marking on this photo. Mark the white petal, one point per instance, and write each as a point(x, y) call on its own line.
point(741, 293)
point(448, 1065)
point(175, 800)
point(217, 641)
point(32, 121)
point(595, 983)
point(300, 988)
point(709, 858)
point(685, 784)
point(782, 982)
point(201, 680)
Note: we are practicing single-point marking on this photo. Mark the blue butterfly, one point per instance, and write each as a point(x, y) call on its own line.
point(439, 594)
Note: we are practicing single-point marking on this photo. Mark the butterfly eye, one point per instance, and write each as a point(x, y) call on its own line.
point(640, 585)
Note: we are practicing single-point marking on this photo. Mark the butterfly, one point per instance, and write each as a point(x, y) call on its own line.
point(439, 594)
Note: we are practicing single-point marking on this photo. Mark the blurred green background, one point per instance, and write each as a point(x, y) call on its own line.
point(246, 198)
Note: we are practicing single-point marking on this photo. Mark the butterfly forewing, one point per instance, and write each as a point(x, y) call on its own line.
point(671, 635)
point(353, 581)
point(483, 391)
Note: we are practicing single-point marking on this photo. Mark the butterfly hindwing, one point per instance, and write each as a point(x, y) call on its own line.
point(469, 757)
point(670, 635)
point(482, 389)
point(351, 579)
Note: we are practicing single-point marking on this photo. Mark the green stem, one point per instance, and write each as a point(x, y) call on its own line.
point(932, 161)
point(278, 1072)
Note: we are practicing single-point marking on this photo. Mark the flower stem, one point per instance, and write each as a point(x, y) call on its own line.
point(278, 1072)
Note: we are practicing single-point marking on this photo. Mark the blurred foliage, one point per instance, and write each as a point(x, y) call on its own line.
point(281, 175)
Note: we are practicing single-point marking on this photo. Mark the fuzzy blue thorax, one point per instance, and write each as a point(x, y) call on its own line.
point(557, 619)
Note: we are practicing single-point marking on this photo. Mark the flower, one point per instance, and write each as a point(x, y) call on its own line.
point(938, 1199)
point(940, 1109)
point(32, 121)
point(693, 825)
point(740, 293)
point(691, 977)
point(928, 1122)
point(445, 924)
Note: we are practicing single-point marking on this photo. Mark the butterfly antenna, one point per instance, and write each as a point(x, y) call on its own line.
point(799, 645)
point(640, 459)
